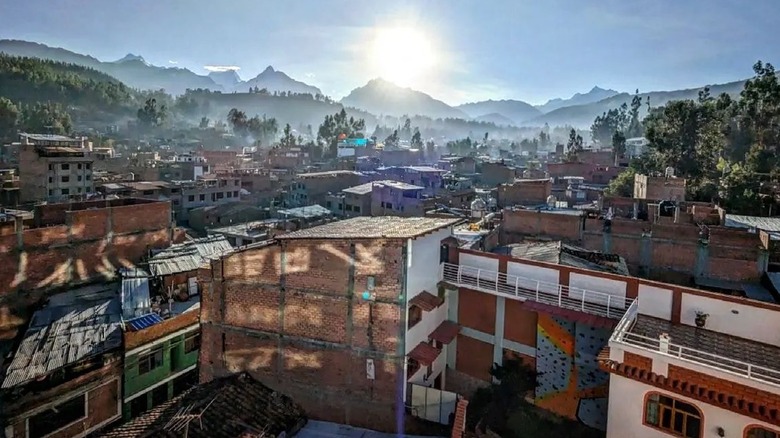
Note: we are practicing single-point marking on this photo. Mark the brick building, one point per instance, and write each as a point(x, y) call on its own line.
point(524, 192)
point(64, 380)
point(54, 168)
point(659, 188)
point(315, 186)
point(341, 317)
point(495, 173)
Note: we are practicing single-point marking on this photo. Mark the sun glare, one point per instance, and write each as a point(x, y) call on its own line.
point(402, 55)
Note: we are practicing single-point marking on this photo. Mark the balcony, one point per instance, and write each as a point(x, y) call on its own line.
point(527, 289)
point(730, 354)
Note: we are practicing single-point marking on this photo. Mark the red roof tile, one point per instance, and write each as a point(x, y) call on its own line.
point(445, 332)
point(426, 301)
point(424, 353)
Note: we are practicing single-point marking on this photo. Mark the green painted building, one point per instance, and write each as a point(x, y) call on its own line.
point(160, 363)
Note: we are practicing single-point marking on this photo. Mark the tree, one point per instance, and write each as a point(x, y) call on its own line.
point(606, 124)
point(288, 138)
point(574, 146)
point(49, 118)
point(204, 122)
point(623, 185)
point(9, 119)
point(618, 145)
point(262, 130)
point(336, 125)
point(635, 128)
point(416, 141)
point(544, 139)
point(151, 115)
point(238, 121)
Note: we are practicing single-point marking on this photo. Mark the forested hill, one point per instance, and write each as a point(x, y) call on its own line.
point(32, 80)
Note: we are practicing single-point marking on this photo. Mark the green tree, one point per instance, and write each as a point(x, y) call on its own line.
point(9, 119)
point(574, 146)
point(288, 138)
point(337, 125)
point(238, 122)
point(48, 118)
point(618, 145)
point(606, 124)
point(416, 141)
point(152, 115)
point(204, 122)
point(635, 128)
point(623, 184)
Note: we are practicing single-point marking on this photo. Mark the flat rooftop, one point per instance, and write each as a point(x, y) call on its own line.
point(365, 227)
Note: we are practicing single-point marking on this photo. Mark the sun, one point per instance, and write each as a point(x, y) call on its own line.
point(402, 55)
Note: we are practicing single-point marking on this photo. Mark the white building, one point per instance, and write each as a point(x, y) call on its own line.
point(697, 364)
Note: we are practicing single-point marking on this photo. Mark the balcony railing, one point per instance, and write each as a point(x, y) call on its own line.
point(622, 334)
point(523, 288)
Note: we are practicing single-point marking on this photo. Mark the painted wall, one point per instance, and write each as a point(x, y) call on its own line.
point(729, 317)
point(479, 262)
point(626, 412)
point(571, 384)
point(530, 276)
point(423, 263)
point(655, 301)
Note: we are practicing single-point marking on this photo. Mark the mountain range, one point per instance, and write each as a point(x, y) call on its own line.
point(378, 97)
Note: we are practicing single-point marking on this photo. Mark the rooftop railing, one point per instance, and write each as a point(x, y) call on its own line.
point(622, 334)
point(523, 288)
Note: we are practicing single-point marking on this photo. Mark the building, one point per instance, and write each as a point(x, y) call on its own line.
point(659, 188)
point(495, 173)
point(314, 187)
point(229, 407)
point(161, 344)
point(247, 233)
point(340, 316)
point(65, 378)
point(429, 178)
point(176, 267)
point(561, 253)
point(201, 219)
point(54, 168)
point(636, 146)
point(9, 187)
point(287, 158)
point(524, 192)
point(394, 198)
point(458, 165)
point(695, 364)
point(352, 201)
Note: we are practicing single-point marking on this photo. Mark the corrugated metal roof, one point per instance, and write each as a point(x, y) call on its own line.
point(75, 325)
point(757, 222)
point(144, 321)
point(188, 256)
point(308, 212)
point(368, 227)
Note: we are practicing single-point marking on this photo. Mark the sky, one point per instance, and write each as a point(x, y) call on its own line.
point(455, 50)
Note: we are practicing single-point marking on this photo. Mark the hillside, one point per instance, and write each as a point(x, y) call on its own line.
point(31, 80)
point(582, 116)
point(132, 70)
point(496, 119)
point(381, 97)
point(594, 95)
point(516, 111)
point(275, 80)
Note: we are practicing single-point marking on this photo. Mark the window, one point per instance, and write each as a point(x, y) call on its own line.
point(51, 192)
point(88, 177)
point(235, 194)
point(65, 179)
point(760, 432)
point(229, 194)
point(65, 166)
point(78, 190)
point(328, 204)
point(356, 209)
point(51, 167)
point(348, 207)
point(220, 195)
point(89, 166)
point(149, 361)
point(65, 191)
point(673, 416)
point(51, 180)
point(159, 395)
point(78, 166)
point(415, 315)
point(192, 343)
point(139, 405)
point(78, 178)
point(191, 198)
point(57, 417)
point(202, 197)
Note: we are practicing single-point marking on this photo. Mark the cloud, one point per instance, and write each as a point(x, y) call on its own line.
point(173, 62)
point(221, 67)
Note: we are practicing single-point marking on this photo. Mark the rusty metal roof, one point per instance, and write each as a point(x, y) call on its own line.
point(74, 326)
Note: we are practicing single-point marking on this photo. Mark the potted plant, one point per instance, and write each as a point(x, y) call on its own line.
point(701, 318)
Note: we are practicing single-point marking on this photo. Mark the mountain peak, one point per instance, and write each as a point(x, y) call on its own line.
point(131, 57)
point(268, 70)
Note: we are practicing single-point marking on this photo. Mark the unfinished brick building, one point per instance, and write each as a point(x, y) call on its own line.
point(524, 192)
point(340, 317)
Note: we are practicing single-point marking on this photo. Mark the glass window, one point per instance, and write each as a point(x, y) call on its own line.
point(673, 416)
point(65, 191)
point(65, 179)
point(150, 361)
point(57, 417)
point(202, 197)
point(760, 432)
point(191, 198)
point(192, 343)
point(65, 166)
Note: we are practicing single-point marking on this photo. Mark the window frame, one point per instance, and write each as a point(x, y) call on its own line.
point(189, 340)
point(751, 427)
point(150, 354)
point(675, 400)
point(83, 395)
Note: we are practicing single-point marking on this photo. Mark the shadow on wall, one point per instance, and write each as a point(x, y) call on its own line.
point(570, 383)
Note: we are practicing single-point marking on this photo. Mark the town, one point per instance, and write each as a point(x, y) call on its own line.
point(191, 269)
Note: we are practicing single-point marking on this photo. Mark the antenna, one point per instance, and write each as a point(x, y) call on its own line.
point(181, 421)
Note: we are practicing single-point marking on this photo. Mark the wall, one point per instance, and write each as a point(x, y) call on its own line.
point(626, 416)
point(291, 314)
point(517, 223)
point(524, 192)
point(87, 245)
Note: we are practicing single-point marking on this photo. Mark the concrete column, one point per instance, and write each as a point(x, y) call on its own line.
point(498, 345)
point(452, 315)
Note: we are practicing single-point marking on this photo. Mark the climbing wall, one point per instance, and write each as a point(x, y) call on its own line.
point(570, 383)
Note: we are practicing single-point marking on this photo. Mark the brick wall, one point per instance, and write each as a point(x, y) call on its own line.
point(524, 192)
point(90, 243)
point(518, 223)
point(290, 313)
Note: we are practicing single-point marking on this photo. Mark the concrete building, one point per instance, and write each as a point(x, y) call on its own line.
point(314, 187)
point(636, 146)
point(659, 188)
point(65, 378)
point(694, 364)
point(341, 316)
point(161, 344)
point(458, 165)
point(429, 178)
point(495, 173)
point(54, 168)
point(352, 201)
point(394, 198)
point(9, 187)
